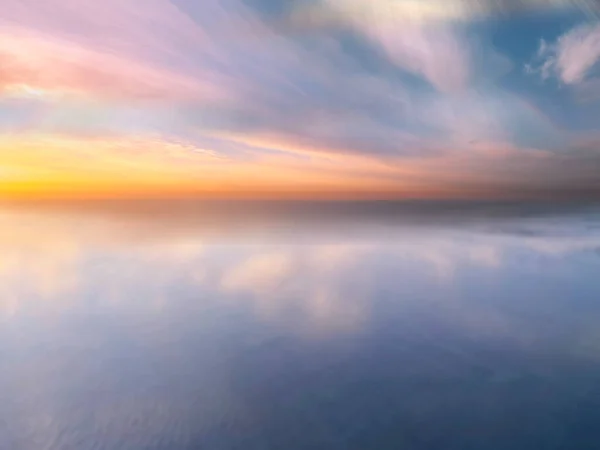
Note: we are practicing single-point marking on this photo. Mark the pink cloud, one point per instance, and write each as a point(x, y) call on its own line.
point(132, 27)
point(114, 49)
point(36, 65)
point(577, 52)
point(572, 57)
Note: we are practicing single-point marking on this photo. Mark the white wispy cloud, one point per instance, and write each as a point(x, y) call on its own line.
point(572, 57)
point(439, 55)
point(577, 53)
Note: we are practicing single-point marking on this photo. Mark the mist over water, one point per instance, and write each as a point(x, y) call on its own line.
point(349, 325)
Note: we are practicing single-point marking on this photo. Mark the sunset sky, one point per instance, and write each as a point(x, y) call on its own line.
point(291, 98)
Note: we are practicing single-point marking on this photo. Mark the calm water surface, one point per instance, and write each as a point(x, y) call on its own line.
point(180, 329)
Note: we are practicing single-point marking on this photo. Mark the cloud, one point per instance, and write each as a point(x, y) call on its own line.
point(148, 29)
point(434, 11)
point(439, 55)
point(424, 38)
point(577, 52)
point(53, 164)
point(42, 67)
point(314, 93)
point(259, 95)
point(572, 57)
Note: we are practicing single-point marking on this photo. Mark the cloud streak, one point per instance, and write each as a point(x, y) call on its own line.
point(41, 67)
point(280, 98)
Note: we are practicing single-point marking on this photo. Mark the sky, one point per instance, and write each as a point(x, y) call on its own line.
point(307, 99)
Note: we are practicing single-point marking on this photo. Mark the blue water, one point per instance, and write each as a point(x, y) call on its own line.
point(321, 327)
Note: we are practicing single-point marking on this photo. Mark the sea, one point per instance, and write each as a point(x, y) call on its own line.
point(218, 325)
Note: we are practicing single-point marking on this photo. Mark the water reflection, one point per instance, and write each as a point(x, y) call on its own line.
point(400, 331)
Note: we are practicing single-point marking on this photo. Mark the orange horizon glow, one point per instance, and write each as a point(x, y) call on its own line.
point(41, 166)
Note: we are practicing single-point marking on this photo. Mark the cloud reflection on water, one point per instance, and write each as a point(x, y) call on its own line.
point(56, 259)
point(133, 329)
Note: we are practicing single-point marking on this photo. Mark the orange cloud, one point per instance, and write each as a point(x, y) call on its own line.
point(34, 165)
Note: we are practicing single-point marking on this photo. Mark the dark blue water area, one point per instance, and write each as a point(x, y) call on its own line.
point(416, 334)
